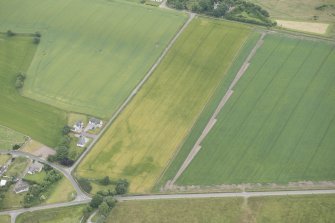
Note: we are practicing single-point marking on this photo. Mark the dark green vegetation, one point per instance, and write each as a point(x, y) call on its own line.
point(288, 209)
point(92, 53)
point(237, 10)
point(40, 187)
point(72, 214)
point(39, 121)
point(279, 124)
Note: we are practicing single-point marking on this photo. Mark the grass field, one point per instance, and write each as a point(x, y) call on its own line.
point(37, 120)
point(177, 211)
point(17, 167)
point(91, 60)
point(56, 215)
point(9, 137)
point(4, 158)
point(278, 126)
point(145, 136)
point(62, 191)
point(5, 218)
point(288, 209)
point(293, 209)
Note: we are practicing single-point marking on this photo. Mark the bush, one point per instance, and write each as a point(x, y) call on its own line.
point(96, 201)
point(121, 186)
point(85, 185)
point(20, 77)
point(36, 40)
point(66, 130)
point(10, 33)
point(110, 200)
point(38, 34)
point(16, 147)
point(105, 181)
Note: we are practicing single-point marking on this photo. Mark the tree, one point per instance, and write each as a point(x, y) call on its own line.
point(121, 186)
point(66, 130)
point(61, 153)
point(96, 201)
point(36, 40)
point(10, 33)
point(110, 200)
point(105, 180)
point(38, 34)
point(85, 184)
point(16, 147)
point(104, 208)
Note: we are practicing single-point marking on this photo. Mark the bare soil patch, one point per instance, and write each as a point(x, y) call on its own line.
point(311, 27)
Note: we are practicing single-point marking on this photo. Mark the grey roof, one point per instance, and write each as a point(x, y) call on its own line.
point(79, 123)
point(20, 186)
point(36, 166)
point(95, 121)
point(81, 140)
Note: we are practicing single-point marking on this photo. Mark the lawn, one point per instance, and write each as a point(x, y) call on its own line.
point(17, 167)
point(4, 158)
point(177, 211)
point(89, 61)
point(37, 120)
point(278, 126)
point(145, 136)
point(37, 177)
point(9, 137)
point(56, 215)
point(5, 218)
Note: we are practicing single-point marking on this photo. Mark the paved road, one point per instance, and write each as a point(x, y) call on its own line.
point(130, 97)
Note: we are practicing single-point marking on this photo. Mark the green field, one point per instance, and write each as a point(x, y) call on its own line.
point(56, 215)
point(177, 211)
point(278, 126)
point(288, 209)
point(89, 61)
point(17, 167)
point(9, 137)
point(293, 209)
point(37, 120)
point(145, 136)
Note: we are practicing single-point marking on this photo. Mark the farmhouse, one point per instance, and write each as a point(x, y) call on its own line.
point(3, 183)
point(78, 126)
point(94, 123)
point(21, 186)
point(82, 141)
point(35, 168)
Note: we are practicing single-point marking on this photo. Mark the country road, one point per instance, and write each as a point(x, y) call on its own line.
point(218, 195)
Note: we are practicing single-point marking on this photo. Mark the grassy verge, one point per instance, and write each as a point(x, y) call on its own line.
point(56, 215)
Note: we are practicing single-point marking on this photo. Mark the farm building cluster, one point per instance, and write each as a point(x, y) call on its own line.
point(20, 185)
point(82, 132)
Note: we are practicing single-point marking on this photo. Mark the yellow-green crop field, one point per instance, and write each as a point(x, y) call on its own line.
point(143, 139)
point(92, 53)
